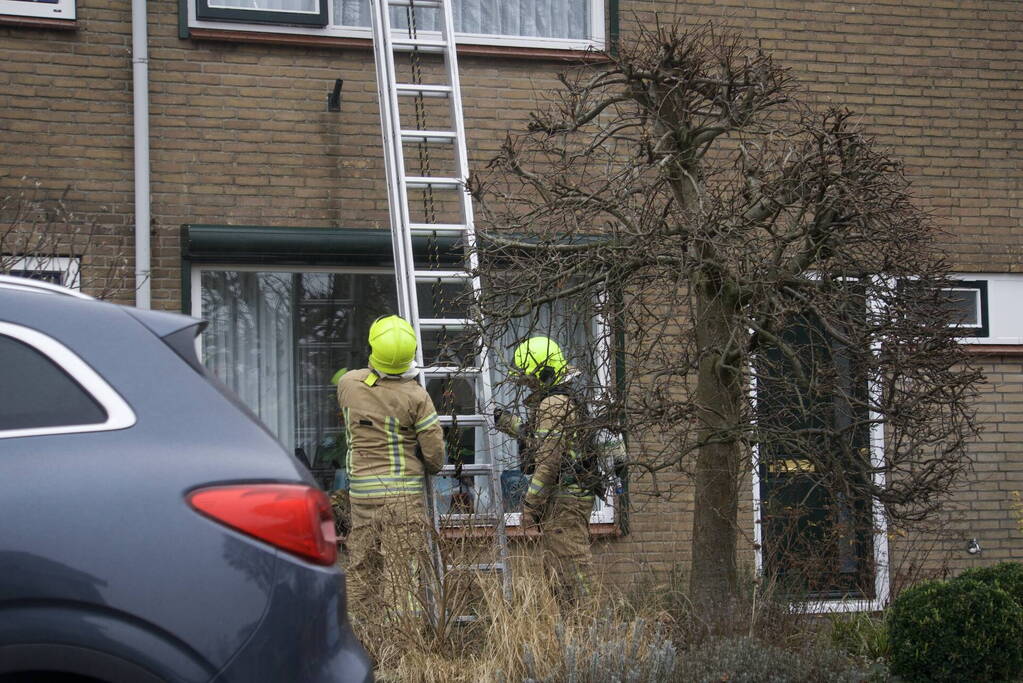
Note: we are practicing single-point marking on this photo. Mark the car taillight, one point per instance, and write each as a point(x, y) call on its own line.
point(292, 517)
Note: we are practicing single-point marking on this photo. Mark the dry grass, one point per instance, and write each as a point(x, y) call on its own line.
point(530, 637)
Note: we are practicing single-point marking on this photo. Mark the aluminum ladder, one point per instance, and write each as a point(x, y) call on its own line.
point(411, 275)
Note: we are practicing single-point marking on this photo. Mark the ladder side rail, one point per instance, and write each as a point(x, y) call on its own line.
point(484, 394)
point(401, 240)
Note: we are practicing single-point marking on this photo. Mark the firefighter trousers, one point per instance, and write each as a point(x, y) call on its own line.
point(388, 555)
point(565, 542)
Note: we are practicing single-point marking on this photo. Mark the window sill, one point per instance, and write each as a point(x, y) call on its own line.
point(39, 22)
point(464, 50)
point(976, 349)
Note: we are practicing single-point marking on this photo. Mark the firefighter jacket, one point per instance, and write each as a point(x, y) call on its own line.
point(549, 436)
point(385, 418)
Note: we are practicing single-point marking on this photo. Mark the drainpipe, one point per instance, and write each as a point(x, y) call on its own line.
point(140, 90)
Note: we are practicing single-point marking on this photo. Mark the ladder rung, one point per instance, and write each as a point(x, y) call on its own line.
point(441, 275)
point(420, 182)
point(445, 371)
point(439, 228)
point(434, 324)
point(427, 4)
point(419, 44)
point(480, 567)
point(463, 420)
point(467, 470)
point(424, 90)
point(428, 135)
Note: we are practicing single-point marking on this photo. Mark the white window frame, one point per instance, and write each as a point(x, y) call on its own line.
point(595, 40)
point(61, 9)
point(1004, 323)
point(119, 413)
point(604, 508)
point(68, 268)
point(882, 568)
point(603, 513)
point(977, 294)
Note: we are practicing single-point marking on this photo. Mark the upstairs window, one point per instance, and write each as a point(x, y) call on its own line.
point(49, 9)
point(557, 24)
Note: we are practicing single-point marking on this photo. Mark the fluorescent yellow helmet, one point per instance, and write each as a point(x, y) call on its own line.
point(541, 357)
point(392, 343)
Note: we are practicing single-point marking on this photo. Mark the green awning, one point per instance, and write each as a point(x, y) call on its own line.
point(258, 244)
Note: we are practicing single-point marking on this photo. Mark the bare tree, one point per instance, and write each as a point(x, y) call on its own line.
point(774, 296)
point(43, 238)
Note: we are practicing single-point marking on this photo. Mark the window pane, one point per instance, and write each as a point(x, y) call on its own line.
point(527, 18)
point(965, 306)
point(277, 338)
point(269, 5)
point(37, 393)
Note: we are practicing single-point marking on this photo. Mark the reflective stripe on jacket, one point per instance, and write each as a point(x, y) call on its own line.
point(384, 422)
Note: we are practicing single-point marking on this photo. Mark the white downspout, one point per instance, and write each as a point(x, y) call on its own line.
point(140, 90)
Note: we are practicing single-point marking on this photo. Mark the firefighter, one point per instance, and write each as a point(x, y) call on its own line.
point(554, 504)
point(387, 414)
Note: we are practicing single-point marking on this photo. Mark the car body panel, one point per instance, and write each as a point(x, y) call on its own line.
point(100, 550)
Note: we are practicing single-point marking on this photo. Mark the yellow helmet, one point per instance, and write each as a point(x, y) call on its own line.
point(392, 343)
point(541, 357)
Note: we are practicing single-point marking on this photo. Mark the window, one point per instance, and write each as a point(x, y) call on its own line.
point(558, 24)
point(51, 9)
point(58, 270)
point(49, 390)
point(276, 337)
point(583, 338)
point(300, 12)
point(986, 308)
point(277, 334)
point(820, 540)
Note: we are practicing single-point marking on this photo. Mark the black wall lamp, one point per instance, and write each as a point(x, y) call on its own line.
point(334, 96)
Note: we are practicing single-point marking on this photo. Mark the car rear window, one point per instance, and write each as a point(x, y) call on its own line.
point(35, 392)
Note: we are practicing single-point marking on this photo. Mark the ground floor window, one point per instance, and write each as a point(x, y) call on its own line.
point(277, 334)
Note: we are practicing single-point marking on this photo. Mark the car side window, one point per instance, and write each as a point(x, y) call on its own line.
point(35, 392)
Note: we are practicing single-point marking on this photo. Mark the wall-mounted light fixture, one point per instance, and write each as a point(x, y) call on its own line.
point(334, 96)
point(973, 547)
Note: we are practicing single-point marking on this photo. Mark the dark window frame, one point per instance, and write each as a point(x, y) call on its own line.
point(203, 11)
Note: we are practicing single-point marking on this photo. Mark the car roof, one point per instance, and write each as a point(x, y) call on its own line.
point(38, 286)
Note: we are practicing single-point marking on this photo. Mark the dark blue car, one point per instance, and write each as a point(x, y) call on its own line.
point(151, 529)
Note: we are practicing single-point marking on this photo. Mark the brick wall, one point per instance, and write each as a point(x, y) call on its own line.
point(241, 135)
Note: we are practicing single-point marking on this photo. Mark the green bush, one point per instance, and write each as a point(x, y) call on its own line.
point(747, 660)
point(1007, 575)
point(961, 630)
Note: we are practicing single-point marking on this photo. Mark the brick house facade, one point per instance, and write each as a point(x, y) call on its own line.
point(240, 135)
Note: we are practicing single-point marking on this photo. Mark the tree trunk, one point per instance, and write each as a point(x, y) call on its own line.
point(719, 395)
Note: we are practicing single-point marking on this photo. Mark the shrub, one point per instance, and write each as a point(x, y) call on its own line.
point(747, 660)
point(1007, 575)
point(962, 630)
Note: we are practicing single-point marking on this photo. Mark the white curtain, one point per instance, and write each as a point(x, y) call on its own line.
point(250, 343)
point(270, 5)
point(528, 18)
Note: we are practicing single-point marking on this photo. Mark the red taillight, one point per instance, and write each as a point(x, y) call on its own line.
point(291, 517)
